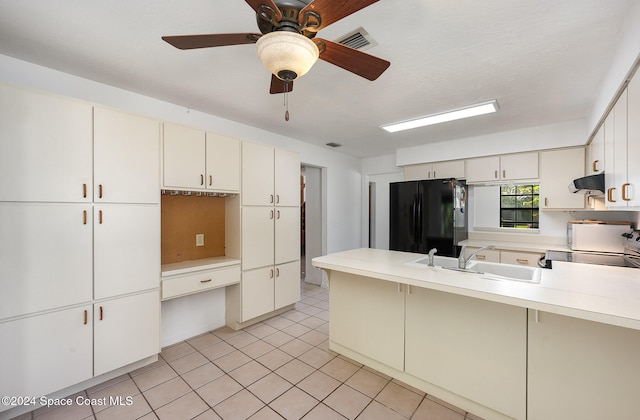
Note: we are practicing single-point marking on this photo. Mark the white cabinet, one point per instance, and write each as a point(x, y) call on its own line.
point(437, 170)
point(126, 158)
point(622, 147)
point(195, 159)
point(367, 317)
point(286, 284)
point(521, 166)
point(126, 249)
point(46, 252)
point(125, 330)
point(489, 255)
point(45, 147)
point(269, 176)
point(469, 347)
point(44, 353)
point(581, 369)
point(557, 169)
point(267, 289)
point(595, 153)
point(520, 258)
point(195, 282)
point(269, 236)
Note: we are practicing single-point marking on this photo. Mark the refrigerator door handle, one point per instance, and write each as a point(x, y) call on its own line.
point(414, 218)
point(419, 218)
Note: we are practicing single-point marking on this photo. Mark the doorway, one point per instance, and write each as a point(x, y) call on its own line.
point(312, 227)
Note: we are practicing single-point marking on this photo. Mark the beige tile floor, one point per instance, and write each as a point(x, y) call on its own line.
point(279, 368)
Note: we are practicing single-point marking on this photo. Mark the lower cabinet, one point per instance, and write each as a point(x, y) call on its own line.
point(267, 289)
point(45, 353)
point(470, 347)
point(367, 316)
point(581, 369)
point(125, 330)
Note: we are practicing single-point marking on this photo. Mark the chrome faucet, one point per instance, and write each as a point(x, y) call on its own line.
point(462, 261)
point(432, 252)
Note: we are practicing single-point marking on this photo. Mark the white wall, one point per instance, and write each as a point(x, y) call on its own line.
point(183, 317)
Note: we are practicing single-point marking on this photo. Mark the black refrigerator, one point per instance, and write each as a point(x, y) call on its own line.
point(428, 214)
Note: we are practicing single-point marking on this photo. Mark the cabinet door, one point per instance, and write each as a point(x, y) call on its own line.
point(287, 234)
point(45, 256)
point(570, 359)
point(257, 237)
point(449, 169)
point(126, 158)
point(126, 330)
point(127, 248)
point(470, 347)
point(183, 157)
point(632, 190)
point(595, 153)
point(287, 178)
point(46, 353)
point(357, 303)
point(519, 166)
point(615, 196)
point(483, 169)
point(45, 147)
point(257, 292)
point(258, 174)
point(287, 284)
point(418, 172)
point(557, 169)
point(223, 163)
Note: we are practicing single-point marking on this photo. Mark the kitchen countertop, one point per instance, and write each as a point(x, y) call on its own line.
point(191, 266)
point(605, 294)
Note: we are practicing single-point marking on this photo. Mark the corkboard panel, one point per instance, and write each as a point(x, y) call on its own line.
point(182, 217)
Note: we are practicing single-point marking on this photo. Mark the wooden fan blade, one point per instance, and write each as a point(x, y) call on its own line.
point(189, 42)
point(352, 60)
point(278, 85)
point(331, 11)
point(255, 5)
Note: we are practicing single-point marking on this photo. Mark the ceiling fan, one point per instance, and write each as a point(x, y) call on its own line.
point(287, 45)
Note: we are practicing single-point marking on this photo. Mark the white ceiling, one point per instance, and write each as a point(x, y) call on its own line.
point(543, 60)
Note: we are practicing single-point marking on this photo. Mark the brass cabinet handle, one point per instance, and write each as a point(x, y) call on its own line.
point(624, 192)
point(522, 261)
point(100, 217)
point(610, 195)
point(271, 199)
point(278, 213)
point(205, 281)
point(201, 179)
point(210, 180)
point(271, 214)
point(546, 201)
point(101, 313)
point(434, 174)
point(277, 198)
point(429, 175)
point(84, 217)
point(481, 257)
point(271, 273)
point(495, 174)
point(84, 190)
point(504, 173)
point(100, 191)
point(594, 165)
point(277, 272)
point(86, 317)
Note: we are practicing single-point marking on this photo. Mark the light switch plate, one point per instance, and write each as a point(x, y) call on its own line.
point(199, 239)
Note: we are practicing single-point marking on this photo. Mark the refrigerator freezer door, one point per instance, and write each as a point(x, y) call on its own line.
point(403, 208)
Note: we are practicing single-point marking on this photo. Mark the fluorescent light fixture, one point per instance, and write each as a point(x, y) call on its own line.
point(456, 114)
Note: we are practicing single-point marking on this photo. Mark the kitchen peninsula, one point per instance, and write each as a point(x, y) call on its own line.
point(565, 347)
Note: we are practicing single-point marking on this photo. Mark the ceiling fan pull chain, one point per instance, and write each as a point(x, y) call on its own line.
point(286, 101)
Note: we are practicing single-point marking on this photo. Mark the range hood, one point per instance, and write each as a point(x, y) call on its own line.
point(591, 183)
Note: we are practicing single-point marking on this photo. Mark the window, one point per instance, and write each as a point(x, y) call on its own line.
point(519, 206)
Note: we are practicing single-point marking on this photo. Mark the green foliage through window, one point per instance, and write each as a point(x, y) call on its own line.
point(519, 206)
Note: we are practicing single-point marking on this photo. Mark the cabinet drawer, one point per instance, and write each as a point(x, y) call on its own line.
point(198, 282)
point(520, 258)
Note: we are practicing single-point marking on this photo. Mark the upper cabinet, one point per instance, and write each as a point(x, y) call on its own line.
point(595, 154)
point(557, 169)
point(622, 147)
point(503, 168)
point(195, 159)
point(126, 158)
point(45, 147)
point(437, 170)
point(270, 177)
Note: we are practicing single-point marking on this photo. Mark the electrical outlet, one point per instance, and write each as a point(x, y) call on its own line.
point(199, 239)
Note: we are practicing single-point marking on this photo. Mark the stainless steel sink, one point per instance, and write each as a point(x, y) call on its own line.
point(498, 271)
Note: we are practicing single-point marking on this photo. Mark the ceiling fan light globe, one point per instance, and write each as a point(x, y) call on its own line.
point(287, 52)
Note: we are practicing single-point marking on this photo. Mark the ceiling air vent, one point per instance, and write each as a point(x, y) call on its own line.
point(333, 144)
point(358, 39)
